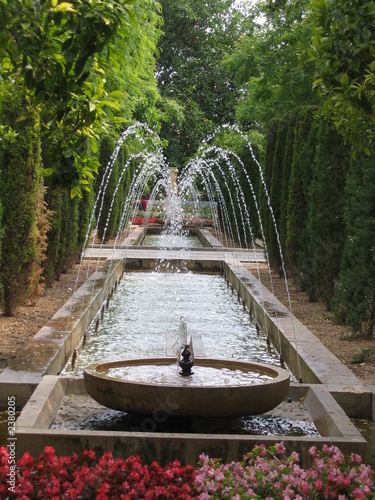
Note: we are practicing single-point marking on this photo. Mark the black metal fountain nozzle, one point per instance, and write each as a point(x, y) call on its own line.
point(186, 363)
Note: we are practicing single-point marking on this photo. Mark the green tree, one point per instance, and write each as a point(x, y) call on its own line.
point(63, 52)
point(276, 192)
point(287, 165)
point(64, 244)
point(343, 38)
point(300, 178)
point(85, 208)
point(271, 144)
point(192, 80)
point(320, 258)
point(52, 268)
point(107, 201)
point(354, 302)
point(270, 64)
point(20, 160)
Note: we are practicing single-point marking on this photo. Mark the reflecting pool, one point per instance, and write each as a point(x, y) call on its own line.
point(171, 241)
point(147, 307)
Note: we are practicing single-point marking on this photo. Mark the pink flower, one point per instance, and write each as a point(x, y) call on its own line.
point(318, 484)
point(280, 448)
point(204, 496)
point(295, 456)
point(358, 494)
point(219, 476)
point(356, 459)
point(313, 451)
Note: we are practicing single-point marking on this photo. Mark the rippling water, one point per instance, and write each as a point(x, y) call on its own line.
point(147, 307)
point(171, 241)
point(203, 376)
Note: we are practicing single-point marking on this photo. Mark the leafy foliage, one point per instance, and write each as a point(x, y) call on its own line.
point(320, 258)
point(268, 61)
point(343, 36)
point(190, 74)
point(300, 178)
point(62, 51)
point(19, 251)
point(355, 293)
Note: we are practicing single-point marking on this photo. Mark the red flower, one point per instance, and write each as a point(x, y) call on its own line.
point(48, 451)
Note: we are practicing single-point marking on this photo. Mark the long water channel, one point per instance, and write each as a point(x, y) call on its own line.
point(147, 308)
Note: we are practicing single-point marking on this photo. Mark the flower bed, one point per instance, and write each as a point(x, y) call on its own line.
point(198, 222)
point(139, 221)
point(85, 477)
point(263, 474)
point(270, 474)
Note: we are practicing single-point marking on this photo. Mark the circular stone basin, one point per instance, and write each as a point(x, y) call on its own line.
point(218, 388)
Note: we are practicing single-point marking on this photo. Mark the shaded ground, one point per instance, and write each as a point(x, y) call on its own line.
point(18, 330)
point(337, 338)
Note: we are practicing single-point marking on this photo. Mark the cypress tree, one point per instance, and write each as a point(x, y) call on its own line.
point(85, 207)
point(63, 247)
point(43, 216)
point(253, 173)
point(106, 148)
point(1, 232)
point(267, 175)
point(354, 302)
point(275, 191)
point(320, 258)
point(20, 162)
point(300, 177)
point(68, 249)
point(54, 197)
point(287, 165)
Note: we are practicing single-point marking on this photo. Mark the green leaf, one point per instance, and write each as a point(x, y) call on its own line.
point(80, 64)
point(339, 16)
point(344, 80)
point(65, 7)
point(75, 191)
point(111, 104)
point(371, 7)
point(317, 40)
point(46, 172)
point(94, 146)
point(318, 81)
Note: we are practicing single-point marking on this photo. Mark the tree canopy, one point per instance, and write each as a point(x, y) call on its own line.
point(191, 74)
point(63, 53)
point(343, 39)
point(270, 63)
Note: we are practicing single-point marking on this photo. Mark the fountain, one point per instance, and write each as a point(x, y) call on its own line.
point(216, 388)
point(221, 387)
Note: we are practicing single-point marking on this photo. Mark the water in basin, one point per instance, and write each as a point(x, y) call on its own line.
point(165, 240)
point(146, 308)
point(204, 376)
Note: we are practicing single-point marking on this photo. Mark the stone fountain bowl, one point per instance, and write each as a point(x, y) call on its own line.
point(187, 400)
